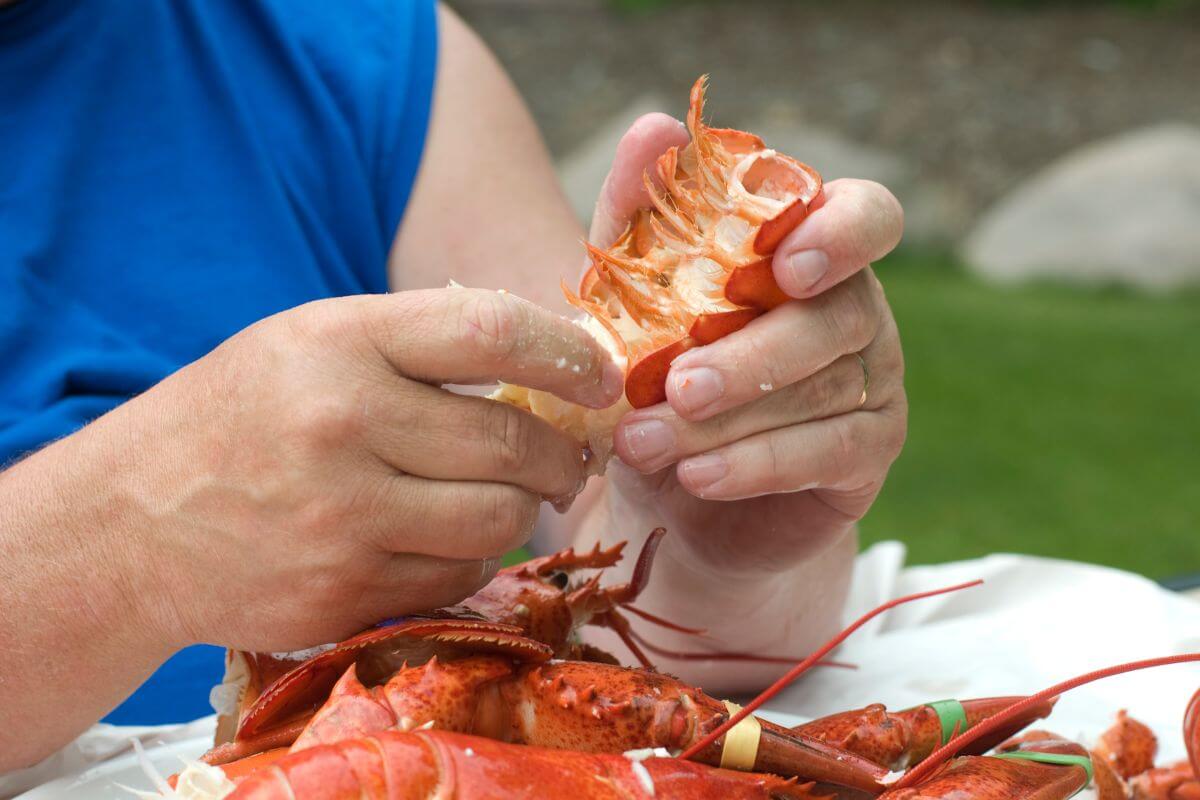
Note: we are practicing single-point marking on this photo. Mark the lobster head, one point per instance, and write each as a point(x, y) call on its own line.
point(549, 599)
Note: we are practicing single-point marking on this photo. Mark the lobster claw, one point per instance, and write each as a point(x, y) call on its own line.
point(1034, 769)
point(785, 752)
point(300, 691)
point(900, 739)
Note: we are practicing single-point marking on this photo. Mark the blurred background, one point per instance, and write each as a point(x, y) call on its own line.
point(1048, 289)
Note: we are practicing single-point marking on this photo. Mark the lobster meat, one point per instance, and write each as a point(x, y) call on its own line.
point(693, 268)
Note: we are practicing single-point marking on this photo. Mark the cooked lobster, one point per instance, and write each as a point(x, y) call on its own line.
point(693, 268)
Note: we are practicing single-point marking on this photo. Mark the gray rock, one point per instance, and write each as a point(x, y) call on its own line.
point(930, 214)
point(1125, 210)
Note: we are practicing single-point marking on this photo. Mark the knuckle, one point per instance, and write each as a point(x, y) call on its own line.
point(721, 429)
point(896, 433)
point(819, 397)
point(322, 424)
point(322, 324)
point(489, 327)
point(887, 207)
point(322, 515)
point(776, 457)
point(508, 435)
point(847, 316)
point(512, 513)
point(758, 365)
point(844, 450)
point(873, 223)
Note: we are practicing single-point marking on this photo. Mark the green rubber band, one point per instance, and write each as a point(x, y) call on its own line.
point(1065, 759)
point(951, 713)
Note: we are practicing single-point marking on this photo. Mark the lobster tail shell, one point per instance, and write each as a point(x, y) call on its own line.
point(427, 764)
point(697, 266)
point(693, 266)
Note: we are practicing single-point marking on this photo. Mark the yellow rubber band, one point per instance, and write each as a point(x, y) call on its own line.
point(741, 742)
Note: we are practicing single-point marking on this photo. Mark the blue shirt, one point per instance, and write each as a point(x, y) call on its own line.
point(172, 171)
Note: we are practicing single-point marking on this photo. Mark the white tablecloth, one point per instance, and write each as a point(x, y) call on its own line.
point(1033, 623)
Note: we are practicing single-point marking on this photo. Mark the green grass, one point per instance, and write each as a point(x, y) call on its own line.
point(1045, 420)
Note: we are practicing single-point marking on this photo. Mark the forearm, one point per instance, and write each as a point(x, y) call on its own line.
point(75, 637)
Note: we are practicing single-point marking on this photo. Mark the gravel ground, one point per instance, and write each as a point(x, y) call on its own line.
point(972, 95)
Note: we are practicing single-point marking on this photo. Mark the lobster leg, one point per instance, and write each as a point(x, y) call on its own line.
point(1128, 746)
point(1179, 781)
point(899, 739)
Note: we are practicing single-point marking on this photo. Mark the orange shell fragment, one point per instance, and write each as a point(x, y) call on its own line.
point(697, 265)
point(691, 268)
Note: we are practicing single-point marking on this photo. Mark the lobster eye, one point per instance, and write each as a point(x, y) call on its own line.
point(559, 579)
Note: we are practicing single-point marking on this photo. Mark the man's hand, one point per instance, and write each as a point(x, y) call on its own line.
point(767, 451)
point(306, 479)
point(317, 478)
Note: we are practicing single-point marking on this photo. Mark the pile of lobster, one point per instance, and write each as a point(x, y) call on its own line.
point(497, 698)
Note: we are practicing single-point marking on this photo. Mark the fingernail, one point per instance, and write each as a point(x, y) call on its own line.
point(698, 387)
point(613, 382)
point(805, 269)
point(701, 472)
point(648, 441)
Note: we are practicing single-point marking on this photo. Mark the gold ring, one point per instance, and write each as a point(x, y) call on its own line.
point(862, 362)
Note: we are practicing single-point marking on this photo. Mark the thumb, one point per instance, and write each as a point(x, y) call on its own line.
point(623, 192)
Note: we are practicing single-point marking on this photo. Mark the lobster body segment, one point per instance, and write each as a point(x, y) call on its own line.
point(570, 705)
point(424, 764)
point(528, 613)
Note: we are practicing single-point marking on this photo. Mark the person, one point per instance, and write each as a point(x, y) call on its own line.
point(226, 229)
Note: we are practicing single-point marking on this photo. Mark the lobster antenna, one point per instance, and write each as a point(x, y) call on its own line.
point(663, 623)
point(641, 570)
point(798, 670)
point(727, 655)
point(952, 747)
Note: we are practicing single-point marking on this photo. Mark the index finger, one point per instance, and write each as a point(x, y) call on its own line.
point(857, 223)
point(472, 336)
